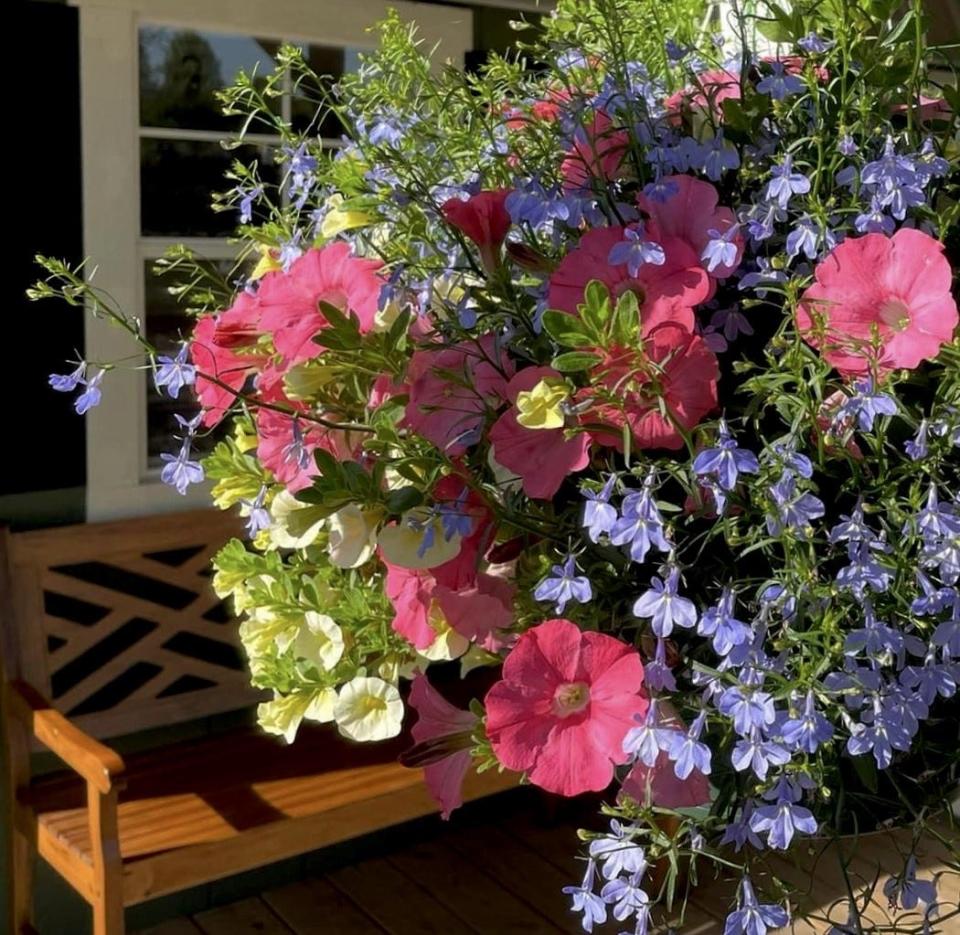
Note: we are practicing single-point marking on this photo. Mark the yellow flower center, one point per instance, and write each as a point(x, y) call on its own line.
point(571, 697)
point(542, 407)
point(895, 314)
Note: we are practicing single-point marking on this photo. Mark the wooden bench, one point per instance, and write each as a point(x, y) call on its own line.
point(111, 628)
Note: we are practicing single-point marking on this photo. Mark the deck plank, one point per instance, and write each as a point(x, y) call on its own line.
point(397, 904)
point(462, 887)
point(520, 870)
point(316, 907)
point(182, 926)
point(247, 917)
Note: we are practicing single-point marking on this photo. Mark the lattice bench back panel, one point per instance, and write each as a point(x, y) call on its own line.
point(117, 624)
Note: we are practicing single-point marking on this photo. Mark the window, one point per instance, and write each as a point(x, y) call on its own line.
point(151, 158)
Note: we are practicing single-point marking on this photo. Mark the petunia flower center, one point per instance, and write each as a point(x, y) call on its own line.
point(895, 314)
point(571, 697)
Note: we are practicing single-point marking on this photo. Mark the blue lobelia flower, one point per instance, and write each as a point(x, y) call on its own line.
point(847, 145)
point(748, 709)
point(757, 754)
point(721, 248)
point(454, 518)
point(874, 220)
point(661, 190)
point(599, 515)
point(875, 640)
point(586, 901)
point(785, 183)
point(779, 84)
point(617, 853)
point(686, 752)
point(259, 517)
point(719, 623)
point(627, 897)
point(752, 917)
point(804, 238)
point(931, 679)
point(174, 373)
point(905, 890)
point(739, 832)
point(917, 447)
point(296, 452)
point(727, 461)
point(664, 605)
point(808, 729)
point(91, 396)
point(644, 743)
point(563, 585)
point(640, 525)
point(656, 672)
point(67, 383)
point(635, 252)
point(814, 44)
point(795, 511)
point(247, 198)
point(865, 405)
point(782, 819)
point(879, 733)
point(179, 471)
point(764, 274)
point(864, 573)
point(929, 164)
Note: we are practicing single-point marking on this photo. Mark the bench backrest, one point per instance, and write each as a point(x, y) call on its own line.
point(117, 625)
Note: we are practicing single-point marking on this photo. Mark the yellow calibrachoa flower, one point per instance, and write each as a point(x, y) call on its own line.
point(448, 644)
point(295, 525)
point(352, 535)
point(266, 264)
point(338, 219)
point(320, 641)
point(402, 543)
point(542, 407)
point(368, 709)
point(283, 715)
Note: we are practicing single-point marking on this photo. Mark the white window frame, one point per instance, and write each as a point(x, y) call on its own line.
point(119, 480)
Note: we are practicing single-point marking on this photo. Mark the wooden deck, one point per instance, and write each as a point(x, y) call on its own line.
point(497, 868)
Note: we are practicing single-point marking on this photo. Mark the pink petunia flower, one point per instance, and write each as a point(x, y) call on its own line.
point(666, 293)
point(484, 219)
point(596, 155)
point(450, 390)
point(690, 213)
point(543, 458)
point(223, 347)
point(442, 738)
point(711, 90)
point(674, 367)
point(897, 286)
point(565, 702)
point(290, 301)
point(423, 607)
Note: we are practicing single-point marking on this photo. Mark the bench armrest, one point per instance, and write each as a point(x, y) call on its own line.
point(92, 760)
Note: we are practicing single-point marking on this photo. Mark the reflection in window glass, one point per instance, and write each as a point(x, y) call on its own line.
point(177, 182)
point(166, 325)
point(182, 69)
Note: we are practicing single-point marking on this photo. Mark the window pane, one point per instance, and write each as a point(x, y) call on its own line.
point(177, 182)
point(181, 69)
point(330, 62)
point(166, 326)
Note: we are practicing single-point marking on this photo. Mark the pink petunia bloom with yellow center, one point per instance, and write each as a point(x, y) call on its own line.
point(892, 291)
point(566, 700)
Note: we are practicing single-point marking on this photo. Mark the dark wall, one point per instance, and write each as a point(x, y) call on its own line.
point(45, 442)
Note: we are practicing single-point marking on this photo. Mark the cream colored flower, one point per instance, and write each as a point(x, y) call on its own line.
point(319, 640)
point(353, 535)
point(403, 543)
point(295, 525)
point(448, 644)
point(338, 219)
point(284, 713)
point(368, 709)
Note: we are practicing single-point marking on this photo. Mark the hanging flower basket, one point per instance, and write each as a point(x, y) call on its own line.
point(626, 367)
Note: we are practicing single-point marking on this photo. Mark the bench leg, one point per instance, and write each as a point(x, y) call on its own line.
point(24, 857)
point(108, 914)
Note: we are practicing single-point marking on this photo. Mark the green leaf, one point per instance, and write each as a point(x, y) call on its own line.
point(573, 361)
point(343, 332)
point(565, 329)
point(894, 36)
point(595, 310)
point(626, 319)
point(403, 499)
